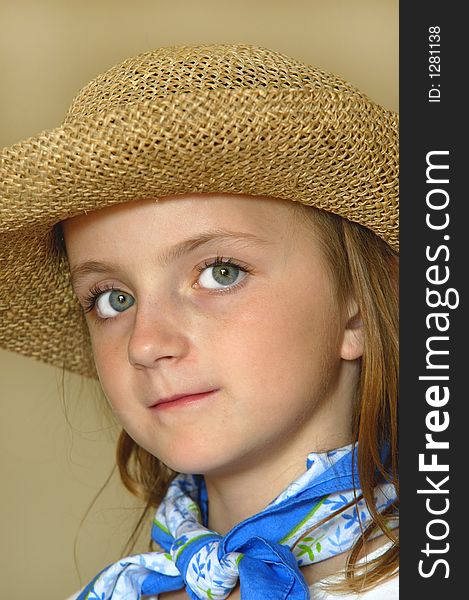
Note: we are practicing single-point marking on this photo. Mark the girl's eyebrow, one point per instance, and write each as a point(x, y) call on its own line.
point(169, 255)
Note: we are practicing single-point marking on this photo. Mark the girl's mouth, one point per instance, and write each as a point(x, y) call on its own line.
point(180, 400)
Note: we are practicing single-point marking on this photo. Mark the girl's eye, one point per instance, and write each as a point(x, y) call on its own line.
point(108, 303)
point(221, 274)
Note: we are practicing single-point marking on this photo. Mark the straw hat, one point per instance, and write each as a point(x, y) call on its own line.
point(218, 118)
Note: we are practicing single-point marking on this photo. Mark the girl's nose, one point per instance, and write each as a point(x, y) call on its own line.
point(156, 334)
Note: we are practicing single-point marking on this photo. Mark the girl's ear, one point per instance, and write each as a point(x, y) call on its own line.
point(353, 339)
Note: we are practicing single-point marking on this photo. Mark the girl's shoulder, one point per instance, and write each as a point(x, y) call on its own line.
point(388, 590)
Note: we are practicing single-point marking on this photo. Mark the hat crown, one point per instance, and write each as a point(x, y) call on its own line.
point(154, 75)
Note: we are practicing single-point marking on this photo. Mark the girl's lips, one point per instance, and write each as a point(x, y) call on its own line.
point(181, 400)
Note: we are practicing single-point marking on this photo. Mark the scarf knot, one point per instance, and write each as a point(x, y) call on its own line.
point(206, 571)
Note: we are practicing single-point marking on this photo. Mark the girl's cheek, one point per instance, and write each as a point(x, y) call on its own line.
point(215, 306)
point(109, 354)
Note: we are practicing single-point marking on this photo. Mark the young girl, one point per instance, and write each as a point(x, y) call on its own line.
point(212, 233)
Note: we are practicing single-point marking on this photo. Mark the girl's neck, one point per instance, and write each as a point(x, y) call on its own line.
point(237, 495)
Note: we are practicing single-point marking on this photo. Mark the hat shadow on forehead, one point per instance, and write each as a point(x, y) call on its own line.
point(233, 119)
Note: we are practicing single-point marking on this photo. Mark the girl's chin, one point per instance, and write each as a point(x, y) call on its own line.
point(210, 462)
point(204, 466)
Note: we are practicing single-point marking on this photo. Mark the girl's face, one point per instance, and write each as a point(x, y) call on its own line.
point(224, 293)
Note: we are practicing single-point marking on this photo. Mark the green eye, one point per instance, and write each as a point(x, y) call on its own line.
point(113, 302)
point(220, 275)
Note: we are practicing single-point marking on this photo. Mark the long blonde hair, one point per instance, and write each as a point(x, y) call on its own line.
point(367, 268)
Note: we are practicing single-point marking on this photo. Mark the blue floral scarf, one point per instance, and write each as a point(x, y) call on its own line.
point(265, 552)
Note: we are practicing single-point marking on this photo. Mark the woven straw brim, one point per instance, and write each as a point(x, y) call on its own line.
point(321, 143)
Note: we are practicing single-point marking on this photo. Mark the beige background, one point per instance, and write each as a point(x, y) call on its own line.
point(56, 442)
